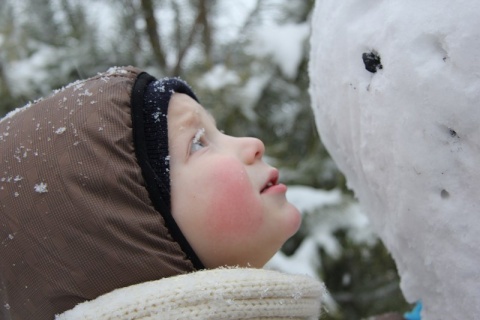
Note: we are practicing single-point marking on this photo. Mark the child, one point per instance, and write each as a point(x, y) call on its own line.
point(122, 179)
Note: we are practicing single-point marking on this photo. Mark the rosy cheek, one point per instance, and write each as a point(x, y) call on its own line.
point(235, 209)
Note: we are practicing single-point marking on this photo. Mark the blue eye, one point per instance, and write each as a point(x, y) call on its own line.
point(196, 146)
point(197, 142)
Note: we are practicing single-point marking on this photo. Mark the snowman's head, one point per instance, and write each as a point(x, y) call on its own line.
point(396, 89)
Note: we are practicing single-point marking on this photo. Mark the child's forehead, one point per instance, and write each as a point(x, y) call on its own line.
point(190, 114)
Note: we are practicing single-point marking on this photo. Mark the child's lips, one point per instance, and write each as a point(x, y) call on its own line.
point(278, 188)
point(272, 185)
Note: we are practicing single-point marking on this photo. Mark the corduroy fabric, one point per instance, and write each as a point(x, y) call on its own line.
point(212, 294)
point(76, 220)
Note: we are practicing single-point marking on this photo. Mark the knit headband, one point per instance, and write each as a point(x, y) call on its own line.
point(150, 100)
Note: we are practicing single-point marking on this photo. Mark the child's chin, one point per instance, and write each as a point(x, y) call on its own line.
point(294, 220)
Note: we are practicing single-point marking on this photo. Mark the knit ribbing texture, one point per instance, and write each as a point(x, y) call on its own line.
point(234, 293)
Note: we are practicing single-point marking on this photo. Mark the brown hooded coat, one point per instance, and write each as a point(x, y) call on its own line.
point(76, 218)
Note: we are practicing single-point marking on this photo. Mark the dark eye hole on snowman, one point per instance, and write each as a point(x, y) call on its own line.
point(372, 61)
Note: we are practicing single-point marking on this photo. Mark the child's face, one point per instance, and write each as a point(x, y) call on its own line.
point(219, 195)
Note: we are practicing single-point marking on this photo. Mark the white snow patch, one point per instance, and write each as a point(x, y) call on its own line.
point(284, 43)
point(86, 93)
point(328, 211)
point(307, 199)
point(156, 116)
point(31, 72)
point(9, 115)
point(233, 18)
point(218, 78)
point(250, 93)
point(60, 130)
point(41, 187)
point(115, 70)
point(305, 260)
point(200, 133)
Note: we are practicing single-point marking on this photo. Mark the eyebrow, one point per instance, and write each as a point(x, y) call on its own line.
point(194, 118)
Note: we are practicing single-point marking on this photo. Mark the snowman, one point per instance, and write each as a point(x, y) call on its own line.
point(395, 88)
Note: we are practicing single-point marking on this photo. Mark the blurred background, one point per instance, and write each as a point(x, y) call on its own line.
point(248, 63)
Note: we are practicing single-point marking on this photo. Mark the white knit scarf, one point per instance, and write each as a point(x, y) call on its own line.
point(235, 293)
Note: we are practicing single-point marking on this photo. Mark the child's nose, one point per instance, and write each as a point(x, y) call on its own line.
point(251, 149)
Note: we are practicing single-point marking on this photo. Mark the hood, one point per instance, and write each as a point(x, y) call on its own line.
point(76, 217)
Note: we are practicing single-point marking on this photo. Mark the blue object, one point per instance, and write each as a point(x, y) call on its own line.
point(415, 313)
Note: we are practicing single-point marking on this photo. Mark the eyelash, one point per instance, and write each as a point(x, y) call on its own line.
point(197, 141)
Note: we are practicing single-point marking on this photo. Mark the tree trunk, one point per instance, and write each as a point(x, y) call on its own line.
point(153, 35)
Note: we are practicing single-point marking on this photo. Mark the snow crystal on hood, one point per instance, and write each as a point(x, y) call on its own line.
point(40, 187)
point(9, 115)
point(60, 130)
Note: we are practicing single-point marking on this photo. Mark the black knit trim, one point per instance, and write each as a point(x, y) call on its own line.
point(162, 206)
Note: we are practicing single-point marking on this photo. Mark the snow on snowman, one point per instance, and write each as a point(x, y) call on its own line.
point(395, 87)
